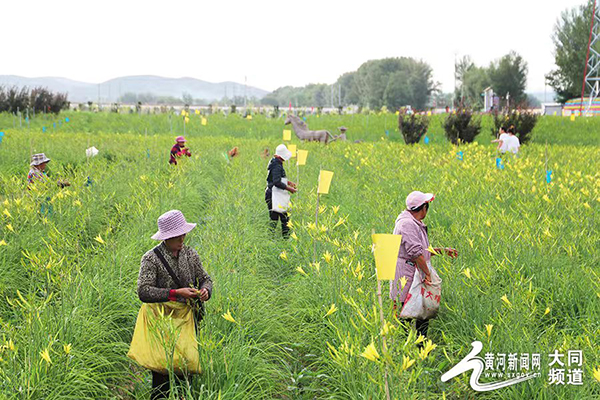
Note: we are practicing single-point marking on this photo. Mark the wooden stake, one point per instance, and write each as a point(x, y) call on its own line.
point(316, 227)
point(383, 339)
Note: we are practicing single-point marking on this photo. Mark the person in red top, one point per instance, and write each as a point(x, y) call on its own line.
point(179, 150)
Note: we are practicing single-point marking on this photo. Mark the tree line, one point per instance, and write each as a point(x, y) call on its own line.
point(397, 82)
point(36, 100)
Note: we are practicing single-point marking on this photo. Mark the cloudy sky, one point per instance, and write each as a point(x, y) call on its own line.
point(273, 43)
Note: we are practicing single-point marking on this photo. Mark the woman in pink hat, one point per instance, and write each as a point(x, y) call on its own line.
point(179, 150)
point(172, 272)
point(413, 249)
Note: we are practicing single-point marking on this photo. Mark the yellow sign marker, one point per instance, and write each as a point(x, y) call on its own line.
point(292, 149)
point(385, 249)
point(572, 117)
point(302, 154)
point(287, 135)
point(249, 117)
point(197, 112)
point(324, 182)
point(204, 121)
point(429, 113)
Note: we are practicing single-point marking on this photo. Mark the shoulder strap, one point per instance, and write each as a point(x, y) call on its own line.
point(167, 267)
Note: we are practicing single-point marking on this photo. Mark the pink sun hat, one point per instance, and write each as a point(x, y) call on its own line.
point(180, 139)
point(172, 224)
point(416, 199)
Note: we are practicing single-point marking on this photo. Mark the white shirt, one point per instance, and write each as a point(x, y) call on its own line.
point(513, 144)
point(503, 138)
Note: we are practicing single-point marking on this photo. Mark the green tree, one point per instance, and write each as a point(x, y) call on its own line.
point(508, 75)
point(570, 37)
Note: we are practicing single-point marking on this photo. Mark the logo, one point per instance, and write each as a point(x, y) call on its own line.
point(477, 365)
point(512, 368)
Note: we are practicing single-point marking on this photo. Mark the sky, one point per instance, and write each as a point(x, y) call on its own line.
point(269, 43)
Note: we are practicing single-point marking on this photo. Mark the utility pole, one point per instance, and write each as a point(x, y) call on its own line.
point(591, 73)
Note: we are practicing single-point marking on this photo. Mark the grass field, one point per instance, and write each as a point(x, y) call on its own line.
point(69, 258)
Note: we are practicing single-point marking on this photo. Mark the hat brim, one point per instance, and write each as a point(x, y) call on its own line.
point(34, 164)
point(171, 234)
point(286, 155)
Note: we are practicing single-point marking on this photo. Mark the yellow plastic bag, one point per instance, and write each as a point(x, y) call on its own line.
point(165, 335)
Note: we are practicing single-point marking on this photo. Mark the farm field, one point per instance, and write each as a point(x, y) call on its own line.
point(527, 279)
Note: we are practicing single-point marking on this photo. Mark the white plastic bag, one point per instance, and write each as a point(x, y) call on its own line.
point(280, 198)
point(423, 301)
point(92, 152)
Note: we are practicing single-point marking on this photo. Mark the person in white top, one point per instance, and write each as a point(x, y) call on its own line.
point(512, 142)
point(501, 140)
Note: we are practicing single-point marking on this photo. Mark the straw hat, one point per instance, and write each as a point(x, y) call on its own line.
point(172, 224)
point(38, 159)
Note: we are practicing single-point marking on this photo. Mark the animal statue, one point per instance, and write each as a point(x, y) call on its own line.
point(303, 133)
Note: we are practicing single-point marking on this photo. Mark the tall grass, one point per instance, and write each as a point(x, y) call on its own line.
point(75, 268)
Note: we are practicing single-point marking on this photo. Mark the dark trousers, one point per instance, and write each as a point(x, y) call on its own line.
point(161, 385)
point(276, 216)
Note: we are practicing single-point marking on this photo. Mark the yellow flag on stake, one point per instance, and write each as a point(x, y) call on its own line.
point(385, 250)
point(302, 154)
point(204, 121)
point(324, 182)
point(287, 135)
point(292, 149)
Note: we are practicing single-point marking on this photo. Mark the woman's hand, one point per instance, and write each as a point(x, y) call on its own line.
point(451, 252)
point(427, 279)
point(292, 184)
point(203, 294)
point(187, 293)
point(291, 189)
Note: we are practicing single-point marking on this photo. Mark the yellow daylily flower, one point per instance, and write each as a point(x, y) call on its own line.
point(505, 299)
point(403, 281)
point(99, 239)
point(77, 203)
point(316, 266)
point(406, 362)
point(335, 209)
point(300, 270)
point(432, 251)
point(597, 373)
point(332, 309)
point(6, 202)
point(488, 328)
point(283, 255)
point(327, 257)
point(5, 212)
point(340, 222)
point(11, 345)
point(420, 338)
point(228, 317)
point(3, 243)
point(370, 352)
point(294, 236)
point(386, 328)
point(46, 356)
point(467, 273)
point(547, 310)
point(10, 227)
point(428, 348)
point(67, 348)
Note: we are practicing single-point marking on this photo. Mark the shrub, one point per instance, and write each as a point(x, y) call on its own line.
point(462, 126)
point(412, 126)
point(523, 123)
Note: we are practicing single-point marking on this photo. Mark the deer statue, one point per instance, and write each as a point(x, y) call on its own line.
point(301, 130)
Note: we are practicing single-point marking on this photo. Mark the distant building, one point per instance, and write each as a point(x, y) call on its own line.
point(552, 109)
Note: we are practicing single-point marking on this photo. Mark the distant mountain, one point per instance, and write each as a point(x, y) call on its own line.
point(111, 90)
